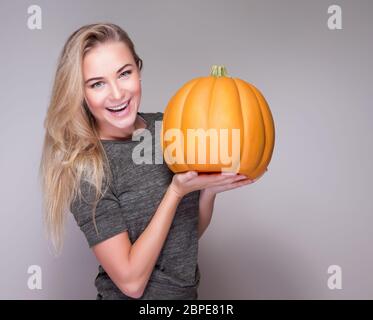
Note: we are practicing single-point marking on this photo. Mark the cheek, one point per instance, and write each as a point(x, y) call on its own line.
point(94, 101)
point(137, 90)
point(132, 88)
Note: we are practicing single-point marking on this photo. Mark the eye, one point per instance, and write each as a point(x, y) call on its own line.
point(128, 71)
point(94, 85)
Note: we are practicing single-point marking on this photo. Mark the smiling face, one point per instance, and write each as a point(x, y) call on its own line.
point(116, 82)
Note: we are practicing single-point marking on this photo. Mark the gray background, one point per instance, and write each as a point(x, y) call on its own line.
point(273, 239)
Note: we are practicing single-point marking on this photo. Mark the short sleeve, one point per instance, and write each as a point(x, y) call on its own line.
point(159, 116)
point(109, 217)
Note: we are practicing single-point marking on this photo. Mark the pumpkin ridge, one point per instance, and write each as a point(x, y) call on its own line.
point(250, 109)
point(264, 131)
point(187, 97)
point(242, 143)
point(184, 91)
point(211, 96)
point(267, 129)
point(211, 100)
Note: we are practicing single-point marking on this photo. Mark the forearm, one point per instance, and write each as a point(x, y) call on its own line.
point(206, 207)
point(146, 249)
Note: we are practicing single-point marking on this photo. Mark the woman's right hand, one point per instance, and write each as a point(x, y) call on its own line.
point(183, 183)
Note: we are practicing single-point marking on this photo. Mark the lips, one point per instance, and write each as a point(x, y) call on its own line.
point(124, 112)
point(119, 106)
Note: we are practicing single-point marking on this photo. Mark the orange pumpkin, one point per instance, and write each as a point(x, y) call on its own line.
point(219, 102)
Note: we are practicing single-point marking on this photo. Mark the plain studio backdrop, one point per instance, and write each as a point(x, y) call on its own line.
point(274, 239)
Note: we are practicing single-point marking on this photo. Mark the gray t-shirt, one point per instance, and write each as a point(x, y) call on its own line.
point(129, 205)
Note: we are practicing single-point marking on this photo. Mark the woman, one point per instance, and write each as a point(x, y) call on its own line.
point(141, 220)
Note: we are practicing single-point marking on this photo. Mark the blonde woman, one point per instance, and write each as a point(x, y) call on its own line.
point(141, 221)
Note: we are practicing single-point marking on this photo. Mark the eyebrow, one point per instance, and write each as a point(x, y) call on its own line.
point(99, 78)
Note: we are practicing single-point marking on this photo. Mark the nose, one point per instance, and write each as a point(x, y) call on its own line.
point(115, 92)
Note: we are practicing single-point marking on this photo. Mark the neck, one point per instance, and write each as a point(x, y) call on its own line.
point(138, 124)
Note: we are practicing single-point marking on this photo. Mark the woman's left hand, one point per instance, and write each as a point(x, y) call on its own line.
point(236, 184)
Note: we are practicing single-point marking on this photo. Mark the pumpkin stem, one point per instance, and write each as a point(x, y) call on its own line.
point(218, 71)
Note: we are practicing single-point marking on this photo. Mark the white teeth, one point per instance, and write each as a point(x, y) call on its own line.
point(120, 107)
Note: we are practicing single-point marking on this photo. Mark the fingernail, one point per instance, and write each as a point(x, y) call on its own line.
point(228, 173)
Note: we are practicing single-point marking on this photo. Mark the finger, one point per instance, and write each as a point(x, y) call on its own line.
point(241, 177)
point(225, 183)
point(189, 175)
point(228, 173)
point(241, 184)
point(235, 185)
point(238, 181)
point(210, 175)
point(217, 183)
point(219, 178)
point(232, 178)
point(245, 181)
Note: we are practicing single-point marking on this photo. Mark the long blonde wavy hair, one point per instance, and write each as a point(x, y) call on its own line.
point(72, 150)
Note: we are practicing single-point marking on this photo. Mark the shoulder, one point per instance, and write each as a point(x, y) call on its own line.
point(159, 115)
point(152, 116)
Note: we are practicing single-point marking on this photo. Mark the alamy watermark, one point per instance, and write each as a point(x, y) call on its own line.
point(335, 20)
point(335, 280)
point(34, 18)
point(223, 147)
point(34, 281)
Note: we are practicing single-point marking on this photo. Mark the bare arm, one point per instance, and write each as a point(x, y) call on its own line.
point(145, 251)
point(130, 266)
point(206, 207)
